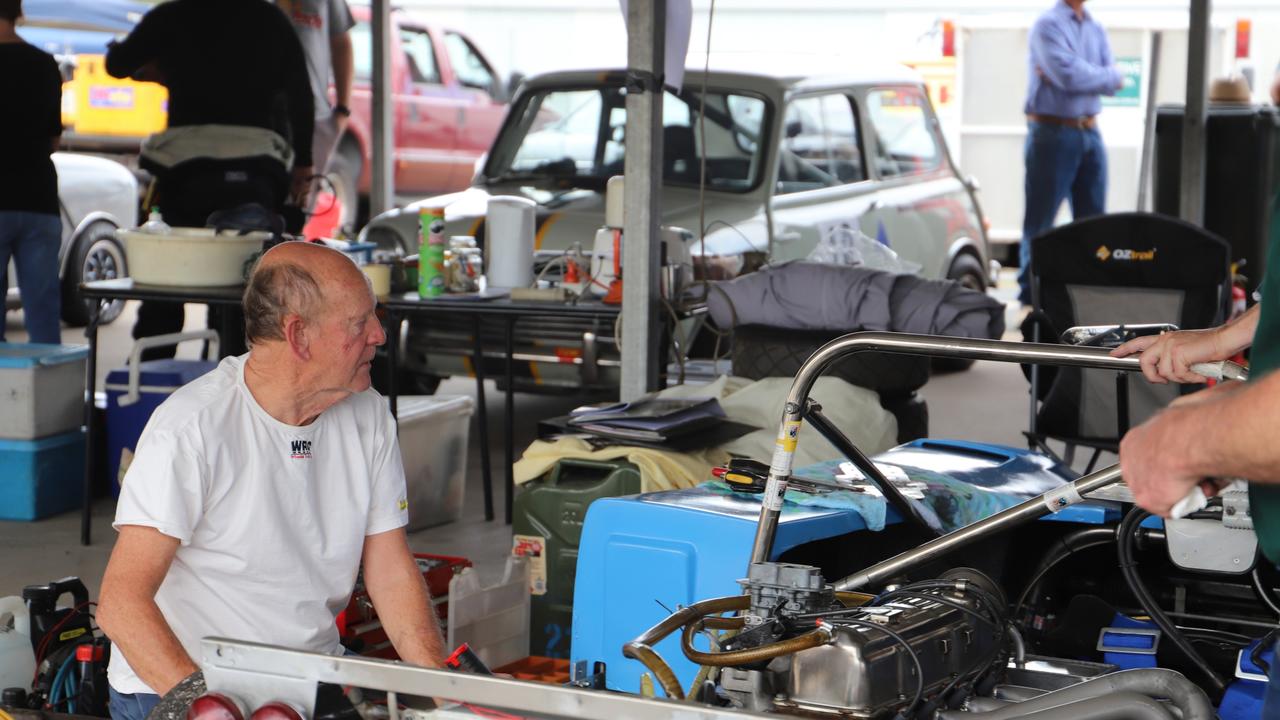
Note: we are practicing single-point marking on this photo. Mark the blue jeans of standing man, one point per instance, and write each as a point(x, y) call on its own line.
point(33, 240)
point(132, 706)
point(1062, 163)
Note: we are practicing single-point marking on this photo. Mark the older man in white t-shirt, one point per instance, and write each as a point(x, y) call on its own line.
point(256, 490)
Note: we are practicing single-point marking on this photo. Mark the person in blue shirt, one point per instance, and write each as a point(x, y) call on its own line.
point(1070, 68)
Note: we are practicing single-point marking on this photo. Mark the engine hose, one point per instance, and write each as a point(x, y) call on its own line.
point(1117, 706)
point(1190, 700)
point(642, 647)
point(1127, 536)
point(814, 638)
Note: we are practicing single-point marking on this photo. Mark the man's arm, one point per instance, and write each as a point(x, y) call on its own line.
point(135, 56)
point(1227, 437)
point(1064, 68)
point(399, 594)
point(1169, 356)
point(344, 67)
point(127, 610)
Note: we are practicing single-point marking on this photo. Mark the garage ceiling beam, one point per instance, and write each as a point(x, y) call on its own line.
point(641, 258)
point(382, 188)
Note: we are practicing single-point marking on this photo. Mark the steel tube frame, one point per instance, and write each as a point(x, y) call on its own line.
point(905, 343)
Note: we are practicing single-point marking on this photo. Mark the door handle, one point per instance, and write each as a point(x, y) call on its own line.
point(462, 117)
point(788, 236)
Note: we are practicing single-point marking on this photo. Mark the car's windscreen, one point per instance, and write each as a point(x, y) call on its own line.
point(576, 137)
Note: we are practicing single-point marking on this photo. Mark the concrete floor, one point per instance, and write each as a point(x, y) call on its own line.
point(986, 403)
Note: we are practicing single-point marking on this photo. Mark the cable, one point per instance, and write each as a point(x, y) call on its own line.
point(941, 601)
point(1263, 594)
point(1127, 535)
point(911, 653)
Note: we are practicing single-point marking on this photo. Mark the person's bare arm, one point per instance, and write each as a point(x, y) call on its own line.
point(1228, 436)
point(127, 611)
point(1168, 357)
point(399, 594)
point(344, 68)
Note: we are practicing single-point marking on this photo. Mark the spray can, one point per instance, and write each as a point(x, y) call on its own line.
point(431, 253)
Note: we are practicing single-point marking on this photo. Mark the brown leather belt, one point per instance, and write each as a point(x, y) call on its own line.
point(1080, 123)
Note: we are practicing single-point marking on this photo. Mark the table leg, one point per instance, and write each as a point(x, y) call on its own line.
point(91, 385)
point(486, 475)
point(393, 361)
point(509, 421)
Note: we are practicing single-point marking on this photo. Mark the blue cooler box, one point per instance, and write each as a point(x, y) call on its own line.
point(42, 477)
point(157, 379)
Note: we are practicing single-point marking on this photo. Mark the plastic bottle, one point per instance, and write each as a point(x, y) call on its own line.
point(431, 253)
point(155, 224)
point(17, 659)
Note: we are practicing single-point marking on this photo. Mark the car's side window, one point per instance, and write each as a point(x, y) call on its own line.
point(820, 144)
point(905, 143)
point(419, 53)
point(471, 68)
point(362, 50)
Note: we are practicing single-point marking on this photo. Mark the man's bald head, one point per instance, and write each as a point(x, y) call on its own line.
point(292, 278)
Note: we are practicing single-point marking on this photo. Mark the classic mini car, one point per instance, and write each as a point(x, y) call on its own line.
point(797, 166)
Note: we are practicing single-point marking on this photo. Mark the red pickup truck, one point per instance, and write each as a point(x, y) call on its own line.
point(448, 104)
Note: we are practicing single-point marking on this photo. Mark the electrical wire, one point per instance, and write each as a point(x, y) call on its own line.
point(1263, 594)
point(941, 601)
point(1127, 535)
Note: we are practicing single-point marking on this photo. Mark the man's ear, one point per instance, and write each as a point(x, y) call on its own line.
point(295, 333)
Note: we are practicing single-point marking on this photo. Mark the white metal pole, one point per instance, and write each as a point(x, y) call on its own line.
point(641, 258)
point(382, 179)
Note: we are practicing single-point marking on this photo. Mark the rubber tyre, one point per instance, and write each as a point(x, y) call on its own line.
point(760, 351)
point(912, 414)
point(94, 255)
point(967, 271)
point(344, 173)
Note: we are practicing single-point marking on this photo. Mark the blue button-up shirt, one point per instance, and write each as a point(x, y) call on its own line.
point(1074, 62)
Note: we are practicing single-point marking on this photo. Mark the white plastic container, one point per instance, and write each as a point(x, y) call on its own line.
point(190, 257)
point(43, 389)
point(493, 620)
point(509, 228)
point(434, 430)
point(17, 660)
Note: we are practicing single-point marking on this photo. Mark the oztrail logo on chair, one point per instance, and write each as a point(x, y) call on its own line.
point(1125, 254)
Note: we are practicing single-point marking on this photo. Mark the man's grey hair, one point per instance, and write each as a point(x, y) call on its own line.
point(273, 293)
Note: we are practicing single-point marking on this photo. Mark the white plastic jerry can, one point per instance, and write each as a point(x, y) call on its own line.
point(17, 659)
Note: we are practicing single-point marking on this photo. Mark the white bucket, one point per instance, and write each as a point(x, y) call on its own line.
point(17, 660)
point(509, 230)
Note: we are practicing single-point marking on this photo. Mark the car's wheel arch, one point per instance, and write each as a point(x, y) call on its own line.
point(79, 232)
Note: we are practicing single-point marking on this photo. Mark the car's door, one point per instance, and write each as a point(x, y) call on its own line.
point(921, 209)
point(821, 189)
point(481, 114)
point(429, 115)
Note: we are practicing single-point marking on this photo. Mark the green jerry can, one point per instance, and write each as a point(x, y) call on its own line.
point(547, 527)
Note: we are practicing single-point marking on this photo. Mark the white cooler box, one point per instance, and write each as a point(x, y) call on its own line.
point(43, 389)
point(433, 442)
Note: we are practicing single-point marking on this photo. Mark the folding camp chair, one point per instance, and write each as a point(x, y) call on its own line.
point(1126, 268)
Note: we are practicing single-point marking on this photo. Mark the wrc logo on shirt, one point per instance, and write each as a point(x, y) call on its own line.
point(300, 449)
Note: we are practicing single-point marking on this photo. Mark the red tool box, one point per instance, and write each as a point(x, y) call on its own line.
point(358, 624)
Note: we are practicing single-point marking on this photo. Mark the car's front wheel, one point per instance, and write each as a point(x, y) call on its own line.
point(966, 270)
point(95, 255)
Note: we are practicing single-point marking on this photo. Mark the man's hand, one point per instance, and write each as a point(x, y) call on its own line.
point(1153, 460)
point(1168, 356)
point(300, 192)
point(340, 122)
point(1275, 90)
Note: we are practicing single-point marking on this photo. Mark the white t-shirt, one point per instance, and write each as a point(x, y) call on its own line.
point(271, 517)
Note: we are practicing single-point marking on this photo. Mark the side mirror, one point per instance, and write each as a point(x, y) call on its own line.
point(971, 182)
point(505, 92)
point(794, 128)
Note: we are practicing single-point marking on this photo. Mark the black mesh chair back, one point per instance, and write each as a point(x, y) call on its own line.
point(1126, 268)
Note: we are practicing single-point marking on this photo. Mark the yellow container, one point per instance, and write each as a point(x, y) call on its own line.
point(94, 103)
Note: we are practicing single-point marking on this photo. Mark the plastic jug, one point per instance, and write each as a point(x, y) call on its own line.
point(17, 660)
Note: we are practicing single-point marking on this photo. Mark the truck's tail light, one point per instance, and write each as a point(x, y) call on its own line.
point(277, 711)
point(215, 706)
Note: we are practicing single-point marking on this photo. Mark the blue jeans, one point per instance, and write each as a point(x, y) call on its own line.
point(1062, 163)
point(33, 241)
point(134, 706)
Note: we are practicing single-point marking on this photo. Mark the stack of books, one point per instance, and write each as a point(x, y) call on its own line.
point(649, 419)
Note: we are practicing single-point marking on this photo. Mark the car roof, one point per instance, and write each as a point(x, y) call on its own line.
point(784, 73)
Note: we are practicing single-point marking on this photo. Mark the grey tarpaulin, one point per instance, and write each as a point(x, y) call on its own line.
point(802, 295)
